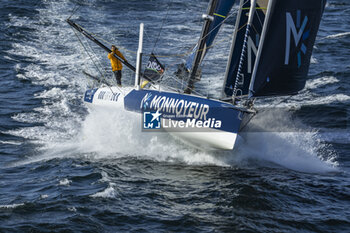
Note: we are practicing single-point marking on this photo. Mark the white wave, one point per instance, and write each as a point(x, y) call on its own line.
point(338, 35)
point(72, 209)
point(44, 196)
point(341, 136)
point(178, 27)
point(109, 192)
point(316, 83)
point(65, 182)
point(313, 60)
point(105, 177)
point(11, 142)
point(303, 100)
point(13, 206)
point(326, 99)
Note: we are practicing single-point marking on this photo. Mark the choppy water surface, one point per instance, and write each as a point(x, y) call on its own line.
point(63, 168)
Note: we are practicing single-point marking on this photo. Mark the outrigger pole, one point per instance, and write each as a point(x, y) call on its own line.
point(93, 39)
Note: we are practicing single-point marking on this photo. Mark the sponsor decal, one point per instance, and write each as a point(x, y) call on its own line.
point(107, 95)
point(154, 65)
point(299, 32)
point(174, 106)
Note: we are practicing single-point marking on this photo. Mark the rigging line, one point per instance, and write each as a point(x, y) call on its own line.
point(253, 115)
point(75, 9)
point(167, 55)
point(107, 42)
point(173, 55)
point(81, 43)
point(105, 70)
point(219, 25)
point(98, 61)
point(190, 51)
point(177, 81)
point(101, 67)
point(161, 28)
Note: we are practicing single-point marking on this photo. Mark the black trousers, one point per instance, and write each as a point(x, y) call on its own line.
point(118, 74)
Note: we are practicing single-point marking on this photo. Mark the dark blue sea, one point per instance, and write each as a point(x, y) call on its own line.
point(66, 169)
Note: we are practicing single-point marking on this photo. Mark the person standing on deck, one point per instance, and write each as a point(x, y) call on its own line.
point(117, 65)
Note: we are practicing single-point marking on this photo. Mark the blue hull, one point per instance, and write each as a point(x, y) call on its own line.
point(185, 107)
point(198, 121)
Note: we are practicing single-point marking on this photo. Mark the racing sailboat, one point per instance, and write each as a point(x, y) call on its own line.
point(269, 56)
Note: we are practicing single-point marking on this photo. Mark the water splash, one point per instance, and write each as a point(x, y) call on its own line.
point(113, 133)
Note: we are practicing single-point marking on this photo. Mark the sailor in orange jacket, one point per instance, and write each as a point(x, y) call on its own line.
point(117, 65)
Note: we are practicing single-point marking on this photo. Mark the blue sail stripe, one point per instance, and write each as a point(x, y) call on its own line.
point(303, 48)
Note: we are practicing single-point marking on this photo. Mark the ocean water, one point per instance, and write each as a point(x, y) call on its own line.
point(66, 169)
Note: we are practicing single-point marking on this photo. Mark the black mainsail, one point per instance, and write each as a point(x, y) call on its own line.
point(284, 54)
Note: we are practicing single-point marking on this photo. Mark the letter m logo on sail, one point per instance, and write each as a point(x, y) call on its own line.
point(297, 30)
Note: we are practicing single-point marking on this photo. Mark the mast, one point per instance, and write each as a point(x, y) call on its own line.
point(201, 48)
point(263, 35)
point(246, 64)
point(239, 78)
point(229, 61)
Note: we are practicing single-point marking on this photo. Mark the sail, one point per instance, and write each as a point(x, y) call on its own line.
point(217, 12)
point(283, 57)
point(221, 9)
point(253, 40)
point(154, 69)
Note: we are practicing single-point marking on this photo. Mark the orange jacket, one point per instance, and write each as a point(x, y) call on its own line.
point(116, 64)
